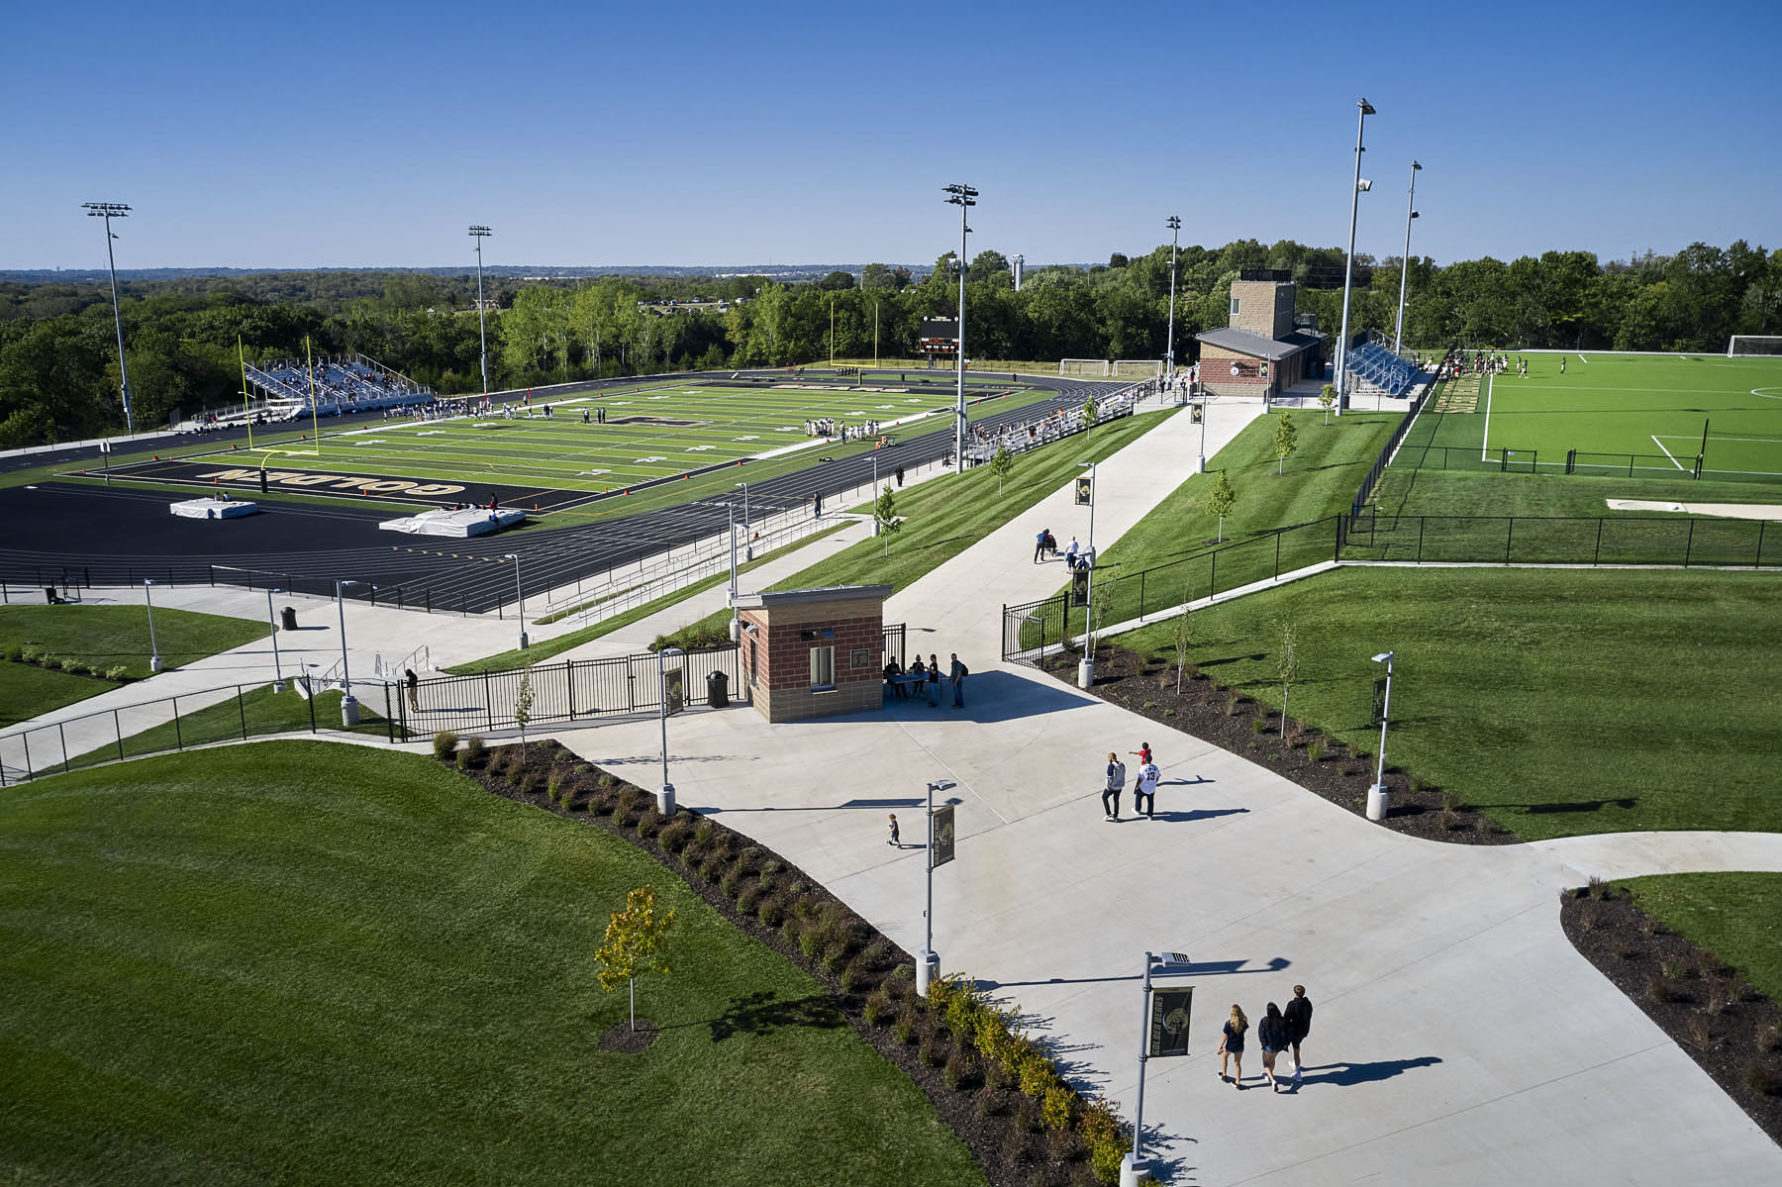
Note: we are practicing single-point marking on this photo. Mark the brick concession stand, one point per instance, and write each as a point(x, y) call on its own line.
point(814, 652)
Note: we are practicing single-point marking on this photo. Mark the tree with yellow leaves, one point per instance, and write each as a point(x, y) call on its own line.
point(634, 941)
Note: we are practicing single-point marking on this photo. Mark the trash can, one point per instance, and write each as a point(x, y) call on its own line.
point(717, 690)
point(49, 595)
point(288, 620)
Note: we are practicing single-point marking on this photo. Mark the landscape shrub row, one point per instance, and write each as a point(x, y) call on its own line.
point(38, 657)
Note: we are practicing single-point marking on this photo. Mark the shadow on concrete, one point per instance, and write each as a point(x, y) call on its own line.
point(846, 805)
point(1210, 967)
point(1363, 1073)
point(989, 697)
point(1195, 814)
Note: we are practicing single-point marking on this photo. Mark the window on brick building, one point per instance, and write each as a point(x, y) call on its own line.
point(822, 668)
point(1234, 307)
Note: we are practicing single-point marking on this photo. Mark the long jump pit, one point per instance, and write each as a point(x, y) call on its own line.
point(341, 484)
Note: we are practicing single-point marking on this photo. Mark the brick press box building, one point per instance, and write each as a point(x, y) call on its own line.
point(1265, 350)
point(814, 652)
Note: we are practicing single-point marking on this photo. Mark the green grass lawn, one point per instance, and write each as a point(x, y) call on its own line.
point(109, 635)
point(1560, 702)
point(1731, 915)
point(945, 516)
point(27, 690)
point(304, 963)
point(252, 712)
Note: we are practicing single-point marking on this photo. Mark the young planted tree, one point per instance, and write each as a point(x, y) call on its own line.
point(1286, 441)
point(523, 707)
point(1001, 465)
point(1183, 638)
point(634, 941)
point(885, 514)
point(1219, 501)
point(1327, 396)
point(1088, 412)
point(1288, 666)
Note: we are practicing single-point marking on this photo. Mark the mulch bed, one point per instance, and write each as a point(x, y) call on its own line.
point(1733, 1032)
point(1316, 761)
point(855, 963)
point(620, 1037)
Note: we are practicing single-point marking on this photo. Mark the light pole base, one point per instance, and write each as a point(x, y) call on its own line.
point(1376, 802)
point(665, 799)
point(278, 686)
point(154, 663)
point(1203, 464)
point(1086, 672)
point(349, 711)
point(927, 971)
point(735, 630)
point(522, 640)
point(1132, 1173)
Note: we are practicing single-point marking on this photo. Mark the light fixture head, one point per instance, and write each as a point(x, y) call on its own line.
point(1363, 186)
point(1366, 107)
point(478, 231)
point(1416, 168)
point(1416, 214)
point(941, 785)
point(509, 557)
point(1384, 657)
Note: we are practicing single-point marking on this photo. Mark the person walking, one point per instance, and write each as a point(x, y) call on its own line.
point(934, 679)
point(1231, 1045)
point(1116, 781)
point(1273, 1035)
point(1144, 792)
point(958, 672)
point(1070, 554)
point(412, 683)
point(1299, 1024)
point(896, 840)
point(900, 476)
point(1039, 546)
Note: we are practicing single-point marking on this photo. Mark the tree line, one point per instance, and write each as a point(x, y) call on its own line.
point(59, 375)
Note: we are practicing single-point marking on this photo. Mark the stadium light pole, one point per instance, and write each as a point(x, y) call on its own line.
point(480, 233)
point(928, 960)
point(1175, 237)
point(154, 648)
point(1404, 273)
point(520, 596)
point(1365, 109)
point(665, 797)
point(109, 211)
point(278, 676)
point(349, 707)
point(1376, 795)
point(964, 197)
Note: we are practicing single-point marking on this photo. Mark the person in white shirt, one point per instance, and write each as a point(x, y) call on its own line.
point(1144, 793)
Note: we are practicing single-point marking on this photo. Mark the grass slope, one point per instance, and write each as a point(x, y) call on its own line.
point(1731, 915)
point(218, 972)
point(27, 690)
point(1560, 702)
point(108, 635)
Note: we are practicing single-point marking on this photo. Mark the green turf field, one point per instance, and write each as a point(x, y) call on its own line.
point(302, 963)
point(1640, 416)
point(653, 431)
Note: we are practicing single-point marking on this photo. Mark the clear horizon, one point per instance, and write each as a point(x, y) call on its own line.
point(708, 137)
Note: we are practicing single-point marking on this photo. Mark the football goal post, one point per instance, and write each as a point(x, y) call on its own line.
point(1754, 345)
point(1084, 368)
point(1137, 368)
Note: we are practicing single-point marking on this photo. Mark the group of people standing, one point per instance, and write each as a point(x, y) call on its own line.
point(1144, 787)
point(1280, 1030)
point(927, 678)
point(1045, 546)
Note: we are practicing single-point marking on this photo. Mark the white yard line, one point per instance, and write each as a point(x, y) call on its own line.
point(1485, 441)
point(1667, 452)
point(1582, 359)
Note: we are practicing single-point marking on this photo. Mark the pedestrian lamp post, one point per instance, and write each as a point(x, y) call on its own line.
point(1361, 187)
point(278, 676)
point(1163, 1032)
point(665, 797)
point(349, 707)
point(1376, 795)
point(928, 960)
point(1206, 406)
point(1086, 665)
point(519, 595)
point(154, 648)
point(748, 544)
point(1175, 236)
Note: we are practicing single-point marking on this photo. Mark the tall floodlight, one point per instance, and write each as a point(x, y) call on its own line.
point(1361, 187)
point(1404, 274)
point(964, 197)
point(1175, 237)
point(109, 211)
point(480, 233)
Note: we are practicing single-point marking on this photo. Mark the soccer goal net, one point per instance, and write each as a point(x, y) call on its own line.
point(1745, 345)
point(1083, 367)
point(1139, 368)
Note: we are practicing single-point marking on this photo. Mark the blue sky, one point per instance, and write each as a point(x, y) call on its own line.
point(331, 134)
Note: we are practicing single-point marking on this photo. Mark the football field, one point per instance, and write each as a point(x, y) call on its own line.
point(1648, 416)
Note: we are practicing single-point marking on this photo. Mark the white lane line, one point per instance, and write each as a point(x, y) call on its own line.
point(1667, 452)
point(1485, 441)
point(1582, 359)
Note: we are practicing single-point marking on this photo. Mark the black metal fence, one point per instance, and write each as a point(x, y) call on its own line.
point(1372, 478)
point(1553, 540)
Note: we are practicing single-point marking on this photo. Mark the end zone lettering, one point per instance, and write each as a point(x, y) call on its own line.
point(338, 482)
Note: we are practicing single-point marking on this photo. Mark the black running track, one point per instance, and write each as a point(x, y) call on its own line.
point(76, 534)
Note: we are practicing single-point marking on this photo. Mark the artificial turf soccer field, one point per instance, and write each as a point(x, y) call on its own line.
point(1641, 416)
point(654, 431)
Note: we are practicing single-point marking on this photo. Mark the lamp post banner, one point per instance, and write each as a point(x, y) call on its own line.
point(1379, 700)
point(1170, 1010)
point(943, 837)
point(674, 691)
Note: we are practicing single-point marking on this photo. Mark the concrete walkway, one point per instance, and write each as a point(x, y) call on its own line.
point(1458, 1037)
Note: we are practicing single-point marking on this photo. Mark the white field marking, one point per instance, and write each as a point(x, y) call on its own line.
point(699, 448)
point(884, 407)
point(858, 412)
point(591, 473)
point(373, 441)
point(1763, 393)
point(748, 437)
point(913, 400)
point(1485, 441)
point(1627, 391)
point(1582, 359)
point(433, 433)
point(786, 429)
point(644, 461)
point(621, 403)
point(1667, 452)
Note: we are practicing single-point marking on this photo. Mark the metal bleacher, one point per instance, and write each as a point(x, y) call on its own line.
point(341, 385)
point(1373, 365)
